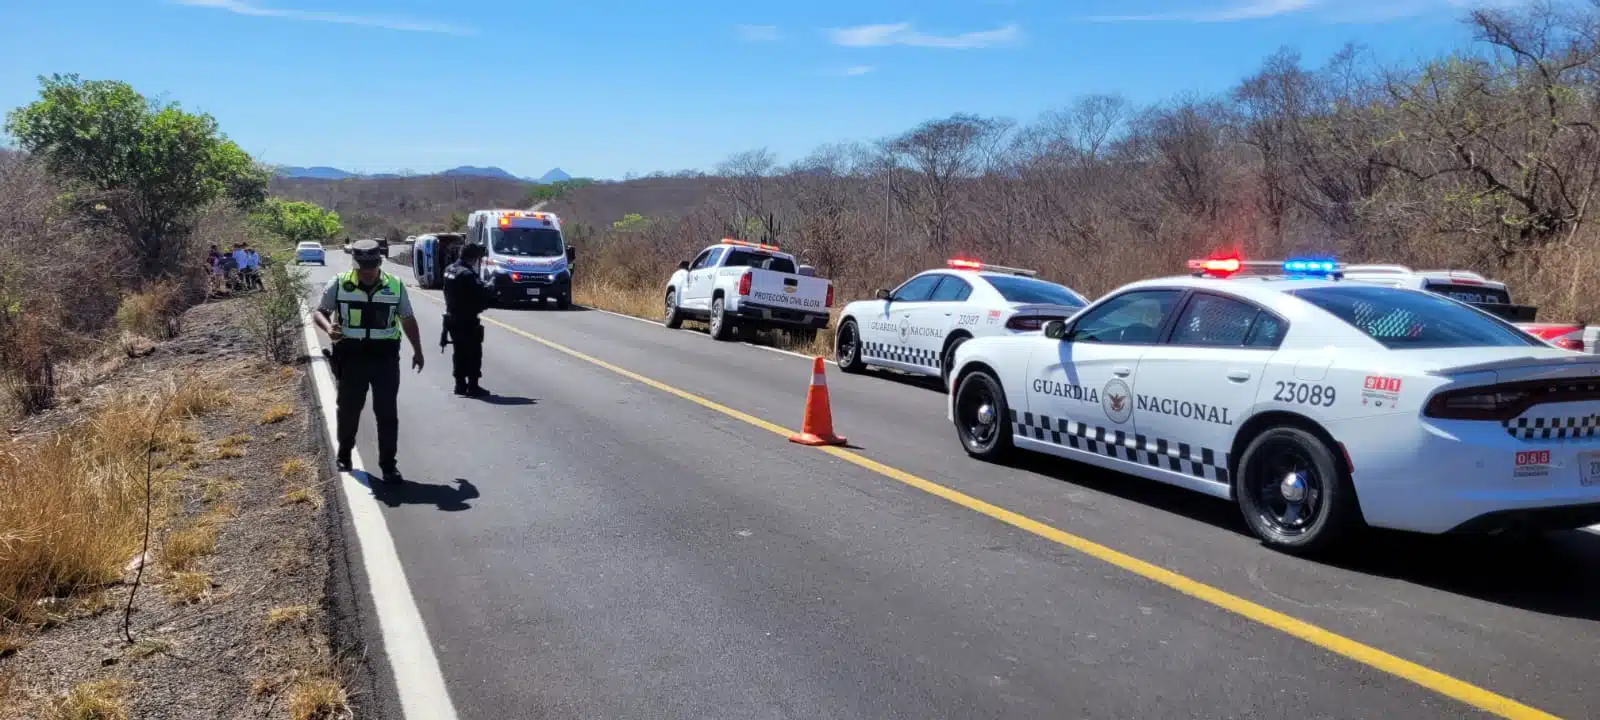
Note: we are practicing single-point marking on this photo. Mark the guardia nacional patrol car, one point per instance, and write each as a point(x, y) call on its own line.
point(1315, 403)
point(917, 326)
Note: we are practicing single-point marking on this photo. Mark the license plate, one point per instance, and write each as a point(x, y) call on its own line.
point(533, 291)
point(1589, 469)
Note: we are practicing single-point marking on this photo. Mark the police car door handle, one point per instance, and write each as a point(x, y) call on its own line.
point(1121, 371)
point(1238, 375)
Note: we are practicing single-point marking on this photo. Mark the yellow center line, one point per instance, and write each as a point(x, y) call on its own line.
point(1429, 678)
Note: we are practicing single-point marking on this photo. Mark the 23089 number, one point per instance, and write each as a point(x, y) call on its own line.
point(1305, 394)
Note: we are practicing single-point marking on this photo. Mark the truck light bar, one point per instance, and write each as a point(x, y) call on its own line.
point(966, 264)
point(747, 243)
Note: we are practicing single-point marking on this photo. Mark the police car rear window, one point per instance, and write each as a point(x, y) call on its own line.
point(1405, 319)
point(1027, 290)
point(1471, 293)
point(746, 258)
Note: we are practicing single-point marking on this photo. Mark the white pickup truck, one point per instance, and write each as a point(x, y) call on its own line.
point(738, 284)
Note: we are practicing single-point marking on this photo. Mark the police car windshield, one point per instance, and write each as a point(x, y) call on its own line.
point(531, 242)
point(1406, 319)
point(1027, 290)
point(744, 258)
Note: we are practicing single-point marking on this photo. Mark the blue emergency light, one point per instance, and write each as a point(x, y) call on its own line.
point(1310, 266)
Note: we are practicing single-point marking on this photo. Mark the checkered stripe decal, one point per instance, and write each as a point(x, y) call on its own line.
point(1556, 428)
point(1200, 462)
point(900, 353)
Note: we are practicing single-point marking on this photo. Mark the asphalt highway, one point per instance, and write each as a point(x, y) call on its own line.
point(589, 544)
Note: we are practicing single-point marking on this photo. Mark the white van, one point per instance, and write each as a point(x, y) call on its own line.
point(528, 259)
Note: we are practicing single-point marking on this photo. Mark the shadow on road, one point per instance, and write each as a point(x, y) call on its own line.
point(449, 498)
point(506, 400)
point(1555, 573)
point(541, 306)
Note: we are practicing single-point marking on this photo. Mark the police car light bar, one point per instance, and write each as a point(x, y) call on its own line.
point(747, 243)
point(1228, 266)
point(965, 264)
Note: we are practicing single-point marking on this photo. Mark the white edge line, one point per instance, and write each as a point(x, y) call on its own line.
point(417, 678)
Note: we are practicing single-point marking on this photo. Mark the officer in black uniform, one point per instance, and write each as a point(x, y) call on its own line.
point(373, 311)
point(465, 297)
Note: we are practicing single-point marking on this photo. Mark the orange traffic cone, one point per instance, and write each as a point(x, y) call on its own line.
point(817, 427)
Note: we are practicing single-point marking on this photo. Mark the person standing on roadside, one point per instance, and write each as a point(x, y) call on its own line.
point(373, 309)
point(465, 297)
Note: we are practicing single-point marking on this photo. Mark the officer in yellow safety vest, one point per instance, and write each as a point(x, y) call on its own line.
point(372, 308)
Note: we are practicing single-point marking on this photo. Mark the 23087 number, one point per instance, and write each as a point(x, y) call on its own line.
point(1305, 394)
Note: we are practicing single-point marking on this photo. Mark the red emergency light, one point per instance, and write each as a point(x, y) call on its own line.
point(964, 264)
point(1222, 266)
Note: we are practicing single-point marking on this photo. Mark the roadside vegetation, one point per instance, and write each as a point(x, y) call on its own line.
point(143, 534)
point(1485, 159)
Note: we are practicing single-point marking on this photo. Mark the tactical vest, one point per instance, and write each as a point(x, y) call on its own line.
point(370, 316)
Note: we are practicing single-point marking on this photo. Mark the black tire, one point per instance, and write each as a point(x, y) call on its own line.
point(672, 315)
point(979, 398)
point(847, 348)
point(1326, 511)
point(563, 302)
point(721, 326)
point(948, 359)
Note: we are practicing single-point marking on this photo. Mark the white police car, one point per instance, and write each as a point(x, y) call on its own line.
point(1314, 403)
point(917, 326)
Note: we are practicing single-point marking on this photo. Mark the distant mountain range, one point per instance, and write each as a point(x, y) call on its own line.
point(322, 172)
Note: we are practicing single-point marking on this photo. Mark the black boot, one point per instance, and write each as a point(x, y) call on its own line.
point(461, 386)
point(390, 474)
point(475, 390)
point(344, 460)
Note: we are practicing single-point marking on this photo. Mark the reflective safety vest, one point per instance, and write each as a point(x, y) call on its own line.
point(370, 315)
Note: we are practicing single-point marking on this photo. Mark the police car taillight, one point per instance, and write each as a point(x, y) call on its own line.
point(829, 302)
point(1028, 322)
point(744, 283)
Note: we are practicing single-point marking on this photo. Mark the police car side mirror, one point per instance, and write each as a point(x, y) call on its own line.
point(683, 264)
point(1055, 329)
point(881, 294)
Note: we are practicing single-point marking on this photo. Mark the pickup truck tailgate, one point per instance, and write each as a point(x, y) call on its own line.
point(788, 290)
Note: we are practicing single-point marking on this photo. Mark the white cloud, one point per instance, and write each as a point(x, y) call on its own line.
point(1254, 10)
point(858, 70)
point(905, 34)
point(244, 7)
point(757, 33)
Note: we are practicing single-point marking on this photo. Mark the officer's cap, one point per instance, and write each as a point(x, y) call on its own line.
point(366, 253)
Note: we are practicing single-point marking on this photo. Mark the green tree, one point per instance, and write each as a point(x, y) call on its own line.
point(148, 168)
point(457, 222)
point(297, 221)
point(632, 222)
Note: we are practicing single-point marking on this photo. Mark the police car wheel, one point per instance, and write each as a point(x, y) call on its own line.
point(671, 316)
point(982, 418)
point(721, 326)
point(1292, 492)
point(847, 348)
point(947, 361)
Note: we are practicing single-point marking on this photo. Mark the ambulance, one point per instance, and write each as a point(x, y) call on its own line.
point(528, 259)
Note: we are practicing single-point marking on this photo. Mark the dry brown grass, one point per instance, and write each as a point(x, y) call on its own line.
point(95, 700)
point(183, 548)
point(643, 302)
point(72, 506)
point(11, 644)
point(276, 414)
point(309, 495)
point(289, 615)
point(188, 587)
point(294, 468)
point(148, 646)
point(217, 488)
point(318, 698)
point(154, 313)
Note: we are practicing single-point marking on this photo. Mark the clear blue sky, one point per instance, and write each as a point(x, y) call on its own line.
point(606, 87)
